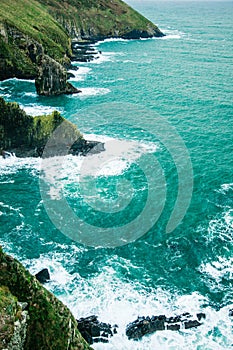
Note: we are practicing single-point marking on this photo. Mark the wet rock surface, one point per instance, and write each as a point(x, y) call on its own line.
point(84, 51)
point(43, 276)
point(94, 331)
point(146, 325)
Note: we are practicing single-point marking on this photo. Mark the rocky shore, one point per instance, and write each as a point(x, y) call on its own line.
point(37, 42)
point(27, 136)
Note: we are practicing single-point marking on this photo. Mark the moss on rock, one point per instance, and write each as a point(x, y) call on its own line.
point(19, 130)
point(50, 326)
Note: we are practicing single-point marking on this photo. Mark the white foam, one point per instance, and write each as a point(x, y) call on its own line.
point(119, 301)
point(80, 74)
point(172, 34)
point(111, 40)
point(12, 165)
point(34, 109)
point(218, 269)
point(23, 80)
point(93, 91)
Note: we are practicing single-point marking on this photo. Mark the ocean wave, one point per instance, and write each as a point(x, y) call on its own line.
point(116, 301)
point(12, 165)
point(104, 57)
point(80, 74)
point(34, 109)
point(109, 40)
point(93, 91)
point(172, 34)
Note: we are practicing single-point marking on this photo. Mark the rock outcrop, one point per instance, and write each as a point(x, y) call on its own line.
point(98, 20)
point(147, 325)
point(35, 39)
point(52, 78)
point(43, 276)
point(94, 331)
point(27, 136)
point(41, 322)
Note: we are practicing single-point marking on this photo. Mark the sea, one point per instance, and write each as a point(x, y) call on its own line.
point(145, 227)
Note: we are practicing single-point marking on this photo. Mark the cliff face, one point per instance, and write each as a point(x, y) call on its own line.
point(24, 133)
point(35, 31)
point(45, 323)
point(97, 20)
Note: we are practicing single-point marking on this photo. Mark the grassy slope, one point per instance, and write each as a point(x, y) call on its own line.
point(32, 19)
point(39, 20)
point(104, 16)
point(51, 325)
point(19, 129)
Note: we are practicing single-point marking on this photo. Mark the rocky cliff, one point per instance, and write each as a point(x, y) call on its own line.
point(27, 135)
point(35, 36)
point(98, 20)
point(30, 316)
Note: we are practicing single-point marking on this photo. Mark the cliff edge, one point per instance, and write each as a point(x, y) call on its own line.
point(31, 317)
point(36, 36)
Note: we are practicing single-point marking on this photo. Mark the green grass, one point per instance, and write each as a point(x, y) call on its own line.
point(32, 19)
point(19, 129)
point(51, 325)
point(104, 16)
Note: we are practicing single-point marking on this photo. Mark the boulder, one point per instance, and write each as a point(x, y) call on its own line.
point(94, 331)
point(146, 325)
point(43, 276)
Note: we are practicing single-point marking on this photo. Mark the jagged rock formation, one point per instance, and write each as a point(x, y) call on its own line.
point(94, 331)
point(146, 325)
point(45, 323)
point(13, 321)
point(52, 78)
point(35, 36)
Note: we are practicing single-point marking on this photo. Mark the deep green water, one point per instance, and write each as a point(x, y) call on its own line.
point(141, 91)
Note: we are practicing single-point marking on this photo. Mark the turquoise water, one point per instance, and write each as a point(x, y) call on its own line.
point(148, 96)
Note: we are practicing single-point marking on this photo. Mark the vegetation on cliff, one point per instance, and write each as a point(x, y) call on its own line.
point(31, 30)
point(28, 30)
point(50, 324)
point(19, 130)
point(95, 20)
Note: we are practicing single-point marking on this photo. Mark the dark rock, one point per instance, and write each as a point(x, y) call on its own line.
point(70, 75)
point(173, 327)
point(43, 276)
point(52, 78)
point(231, 312)
point(138, 34)
point(200, 316)
point(94, 331)
point(83, 51)
point(6, 154)
point(191, 324)
point(84, 147)
point(146, 325)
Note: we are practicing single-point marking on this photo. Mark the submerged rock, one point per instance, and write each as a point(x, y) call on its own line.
point(146, 325)
point(94, 331)
point(43, 276)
